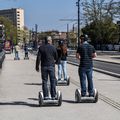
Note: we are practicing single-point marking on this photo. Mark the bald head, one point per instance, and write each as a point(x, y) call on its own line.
point(49, 39)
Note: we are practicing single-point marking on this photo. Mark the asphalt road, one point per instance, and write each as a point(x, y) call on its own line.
point(111, 67)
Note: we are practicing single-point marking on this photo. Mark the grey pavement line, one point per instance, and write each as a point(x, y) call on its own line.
point(99, 70)
point(109, 101)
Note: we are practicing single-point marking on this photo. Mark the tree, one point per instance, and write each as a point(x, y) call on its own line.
point(10, 29)
point(99, 15)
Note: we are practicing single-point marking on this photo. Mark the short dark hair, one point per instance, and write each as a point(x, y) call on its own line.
point(84, 38)
point(61, 42)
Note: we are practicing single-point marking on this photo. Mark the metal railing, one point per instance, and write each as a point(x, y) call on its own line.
point(2, 57)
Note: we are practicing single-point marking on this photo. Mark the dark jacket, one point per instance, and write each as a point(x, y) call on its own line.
point(86, 50)
point(61, 55)
point(47, 55)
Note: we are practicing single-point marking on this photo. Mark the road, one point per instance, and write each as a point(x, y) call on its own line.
point(111, 67)
point(20, 84)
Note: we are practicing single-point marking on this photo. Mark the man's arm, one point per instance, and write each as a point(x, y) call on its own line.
point(38, 61)
point(78, 53)
point(55, 55)
point(78, 56)
point(94, 55)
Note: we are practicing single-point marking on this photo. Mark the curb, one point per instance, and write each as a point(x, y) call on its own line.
point(98, 70)
point(107, 61)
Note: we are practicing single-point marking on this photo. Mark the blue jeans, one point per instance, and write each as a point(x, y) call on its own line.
point(48, 71)
point(62, 67)
point(83, 73)
point(16, 55)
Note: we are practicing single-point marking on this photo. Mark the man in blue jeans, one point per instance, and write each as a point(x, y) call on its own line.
point(85, 53)
point(47, 54)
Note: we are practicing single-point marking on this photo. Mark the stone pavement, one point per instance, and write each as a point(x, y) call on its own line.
point(20, 84)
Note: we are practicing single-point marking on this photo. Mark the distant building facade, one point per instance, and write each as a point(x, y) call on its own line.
point(16, 15)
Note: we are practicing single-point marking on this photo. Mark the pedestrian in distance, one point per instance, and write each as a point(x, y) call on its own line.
point(26, 50)
point(16, 52)
point(47, 55)
point(85, 53)
point(62, 60)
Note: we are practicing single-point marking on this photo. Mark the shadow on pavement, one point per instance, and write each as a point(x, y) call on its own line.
point(32, 83)
point(16, 103)
point(69, 101)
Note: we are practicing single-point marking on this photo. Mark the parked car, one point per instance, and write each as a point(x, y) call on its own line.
point(7, 47)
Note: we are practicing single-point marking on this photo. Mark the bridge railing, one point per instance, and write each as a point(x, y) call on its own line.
point(2, 57)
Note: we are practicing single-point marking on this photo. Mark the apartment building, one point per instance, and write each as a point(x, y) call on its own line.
point(16, 15)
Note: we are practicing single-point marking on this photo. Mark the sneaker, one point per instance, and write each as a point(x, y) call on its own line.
point(46, 98)
point(83, 95)
point(65, 79)
point(59, 79)
point(91, 95)
point(53, 98)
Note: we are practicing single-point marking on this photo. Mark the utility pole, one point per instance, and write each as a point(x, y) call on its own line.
point(36, 29)
point(68, 35)
point(72, 20)
point(78, 5)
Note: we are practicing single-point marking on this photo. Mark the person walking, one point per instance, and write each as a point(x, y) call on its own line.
point(17, 52)
point(47, 55)
point(85, 53)
point(26, 50)
point(62, 60)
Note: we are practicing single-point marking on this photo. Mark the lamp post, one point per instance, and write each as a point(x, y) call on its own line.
point(78, 5)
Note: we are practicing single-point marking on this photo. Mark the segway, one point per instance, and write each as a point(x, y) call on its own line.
point(86, 99)
point(16, 58)
point(63, 82)
point(57, 101)
point(26, 56)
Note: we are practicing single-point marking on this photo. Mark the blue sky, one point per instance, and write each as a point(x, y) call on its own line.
point(45, 13)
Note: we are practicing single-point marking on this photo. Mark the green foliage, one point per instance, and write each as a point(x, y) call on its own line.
point(99, 16)
point(10, 29)
point(103, 32)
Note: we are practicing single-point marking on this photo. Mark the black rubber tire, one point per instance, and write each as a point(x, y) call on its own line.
point(96, 96)
point(59, 97)
point(77, 96)
point(40, 98)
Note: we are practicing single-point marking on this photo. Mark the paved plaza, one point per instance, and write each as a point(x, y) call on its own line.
point(20, 84)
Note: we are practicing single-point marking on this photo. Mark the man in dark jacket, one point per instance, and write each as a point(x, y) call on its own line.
point(85, 53)
point(47, 55)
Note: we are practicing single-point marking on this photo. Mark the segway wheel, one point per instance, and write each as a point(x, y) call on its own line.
point(96, 96)
point(68, 81)
point(40, 98)
point(77, 96)
point(59, 98)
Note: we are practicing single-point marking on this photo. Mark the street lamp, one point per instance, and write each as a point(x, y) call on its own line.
point(78, 5)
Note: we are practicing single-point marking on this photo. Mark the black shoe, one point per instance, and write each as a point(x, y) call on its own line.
point(83, 95)
point(53, 98)
point(65, 79)
point(91, 95)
